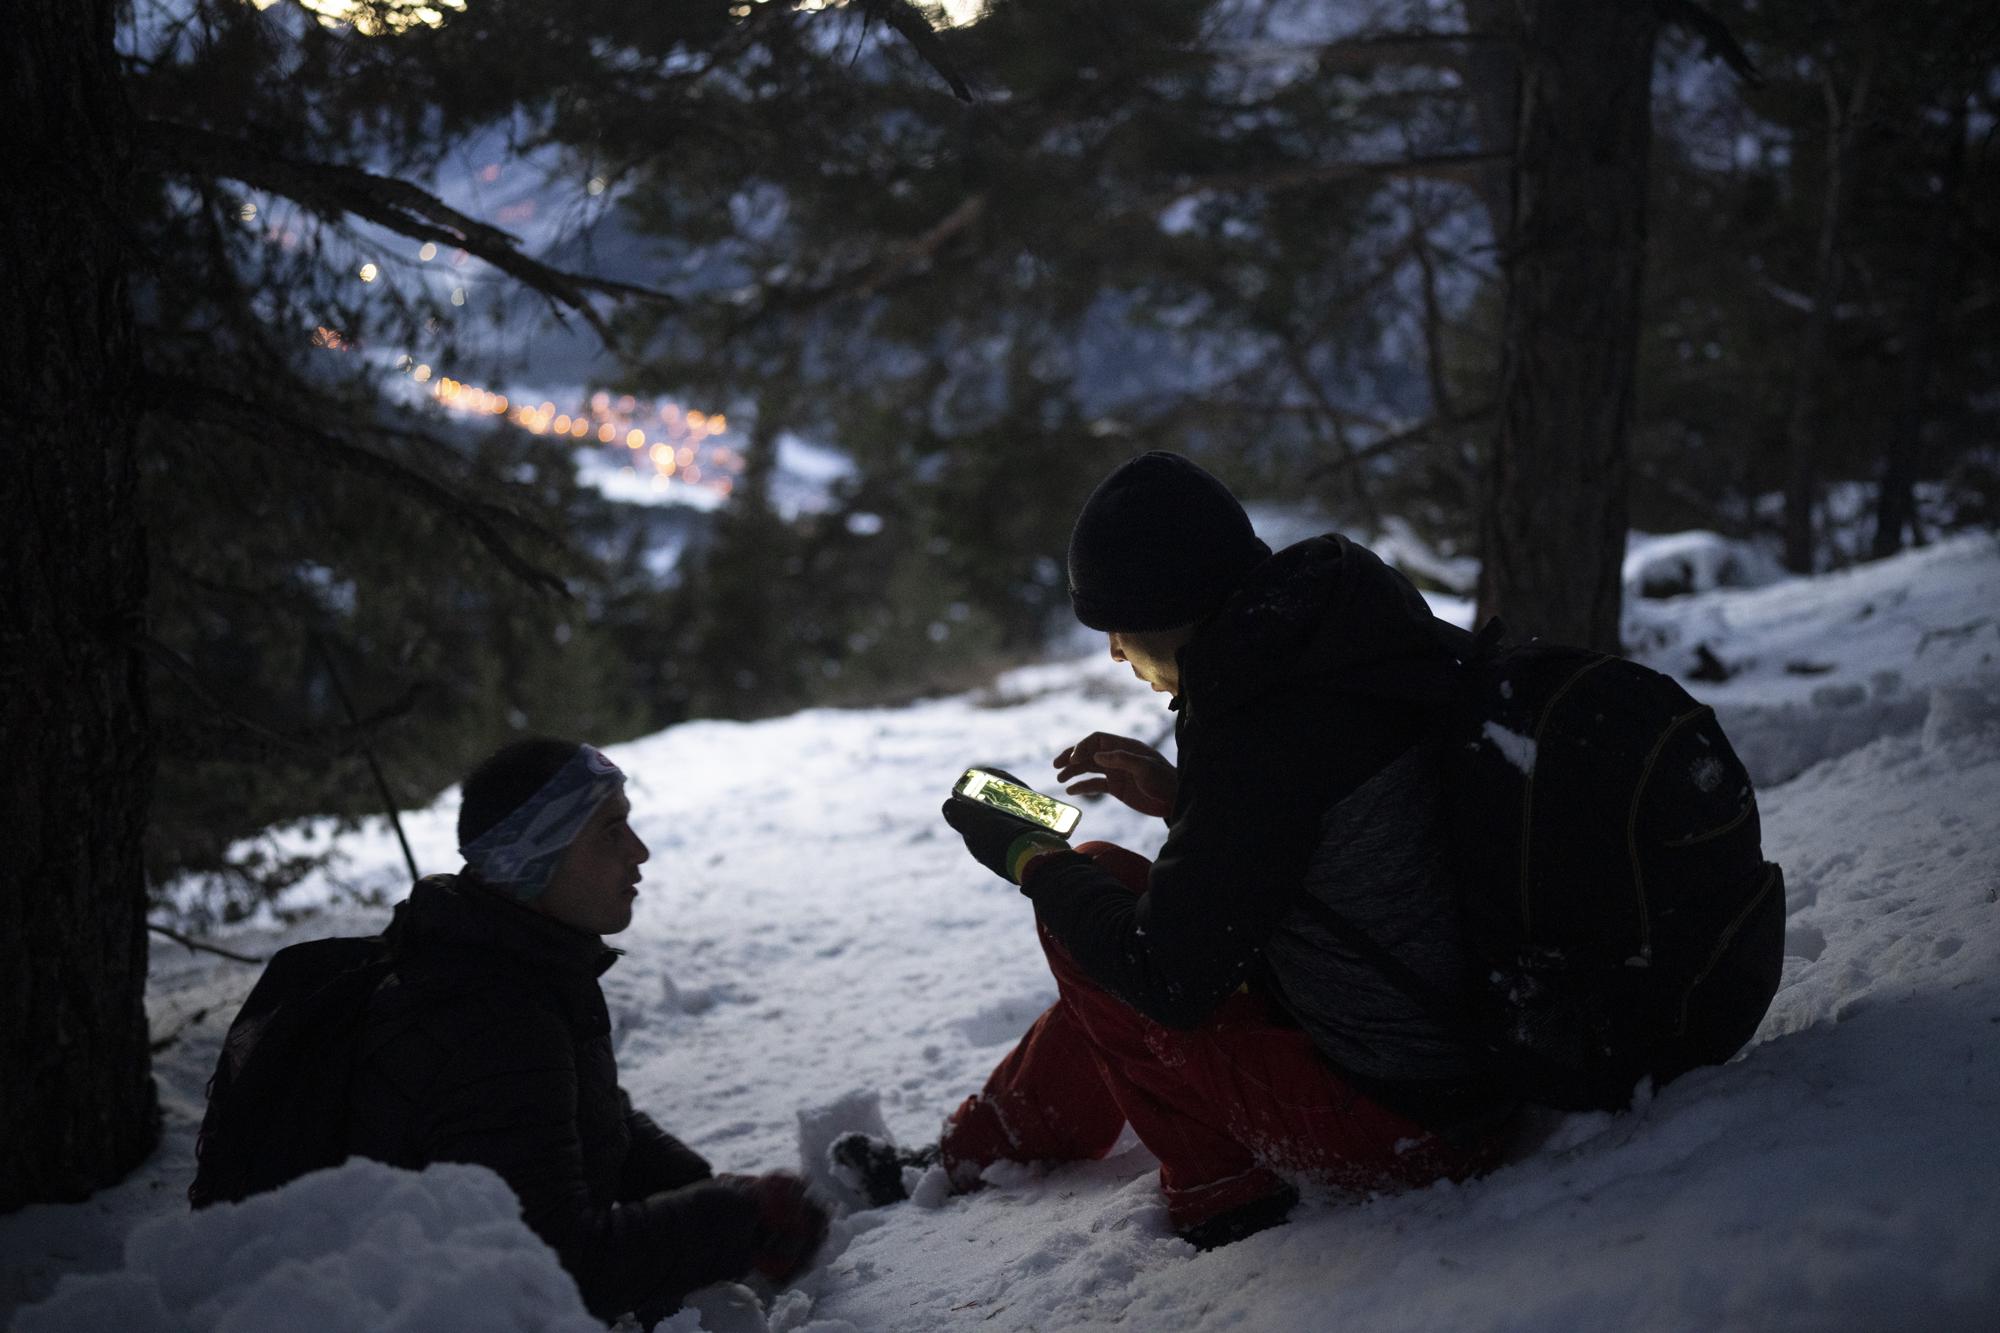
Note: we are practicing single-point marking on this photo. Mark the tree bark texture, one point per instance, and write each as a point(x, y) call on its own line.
point(77, 1105)
point(1492, 83)
point(1805, 416)
point(1552, 528)
point(1923, 334)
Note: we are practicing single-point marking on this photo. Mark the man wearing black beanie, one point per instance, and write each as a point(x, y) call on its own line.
point(1188, 1006)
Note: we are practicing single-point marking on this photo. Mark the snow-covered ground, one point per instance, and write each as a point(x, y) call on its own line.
point(814, 950)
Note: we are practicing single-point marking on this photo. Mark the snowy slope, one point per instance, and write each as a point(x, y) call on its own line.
point(810, 938)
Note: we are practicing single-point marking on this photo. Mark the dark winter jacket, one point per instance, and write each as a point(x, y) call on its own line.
point(491, 1044)
point(1322, 670)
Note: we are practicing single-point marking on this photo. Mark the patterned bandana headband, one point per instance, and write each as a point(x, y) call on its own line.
point(519, 854)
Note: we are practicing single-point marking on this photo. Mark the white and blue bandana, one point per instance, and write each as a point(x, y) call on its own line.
point(519, 854)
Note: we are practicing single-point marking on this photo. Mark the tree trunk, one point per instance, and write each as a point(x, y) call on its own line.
point(1492, 83)
point(77, 1106)
point(1896, 501)
point(1552, 529)
point(1804, 417)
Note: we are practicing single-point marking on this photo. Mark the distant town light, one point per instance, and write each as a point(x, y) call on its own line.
point(427, 251)
point(369, 272)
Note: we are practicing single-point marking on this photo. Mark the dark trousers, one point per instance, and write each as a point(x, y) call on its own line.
point(1229, 1108)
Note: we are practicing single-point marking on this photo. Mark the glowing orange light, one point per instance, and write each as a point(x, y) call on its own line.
point(663, 454)
point(607, 432)
point(579, 428)
point(696, 420)
point(562, 424)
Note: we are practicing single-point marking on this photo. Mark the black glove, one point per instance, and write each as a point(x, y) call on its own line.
point(1001, 842)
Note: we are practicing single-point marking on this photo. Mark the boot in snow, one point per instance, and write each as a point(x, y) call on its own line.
point(874, 1167)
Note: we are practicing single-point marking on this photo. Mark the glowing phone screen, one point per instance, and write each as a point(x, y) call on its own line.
point(981, 786)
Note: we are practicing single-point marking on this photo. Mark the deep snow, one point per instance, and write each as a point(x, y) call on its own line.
point(813, 951)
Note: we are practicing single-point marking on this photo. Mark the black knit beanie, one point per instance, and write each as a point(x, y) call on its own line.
point(1159, 544)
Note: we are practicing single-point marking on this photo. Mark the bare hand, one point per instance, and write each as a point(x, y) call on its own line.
point(1130, 770)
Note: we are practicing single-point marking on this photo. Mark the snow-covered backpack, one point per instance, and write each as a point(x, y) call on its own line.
point(1611, 878)
point(277, 1104)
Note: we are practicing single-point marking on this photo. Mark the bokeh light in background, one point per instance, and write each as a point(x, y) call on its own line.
point(372, 18)
point(674, 444)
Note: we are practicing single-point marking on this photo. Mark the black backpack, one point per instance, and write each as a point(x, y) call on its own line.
point(1613, 891)
point(277, 1105)
point(1602, 850)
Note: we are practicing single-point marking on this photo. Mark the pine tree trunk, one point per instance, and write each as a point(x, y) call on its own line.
point(1804, 419)
point(1896, 501)
point(1553, 524)
point(1492, 83)
point(77, 1106)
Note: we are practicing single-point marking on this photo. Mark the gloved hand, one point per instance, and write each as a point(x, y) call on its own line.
point(1001, 842)
point(791, 1225)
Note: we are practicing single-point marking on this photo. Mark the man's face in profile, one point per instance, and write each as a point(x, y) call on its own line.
point(597, 882)
point(1153, 657)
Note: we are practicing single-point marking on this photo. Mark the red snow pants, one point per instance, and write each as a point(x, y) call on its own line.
point(1226, 1107)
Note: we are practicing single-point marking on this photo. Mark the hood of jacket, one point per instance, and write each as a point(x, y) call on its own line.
point(453, 922)
point(1325, 611)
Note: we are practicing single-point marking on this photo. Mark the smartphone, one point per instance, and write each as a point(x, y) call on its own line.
point(994, 790)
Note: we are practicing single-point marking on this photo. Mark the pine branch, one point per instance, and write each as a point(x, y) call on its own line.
point(915, 29)
point(330, 742)
point(1717, 41)
point(1416, 47)
point(912, 262)
point(259, 423)
point(1460, 167)
point(1423, 430)
point(331, 189)
point(191, 944)
point(918, 254)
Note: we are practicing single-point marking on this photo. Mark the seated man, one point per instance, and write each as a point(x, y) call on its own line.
point(1296, 678)
point(490, 1043)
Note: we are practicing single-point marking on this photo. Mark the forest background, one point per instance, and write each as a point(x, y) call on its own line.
point(974, 255)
